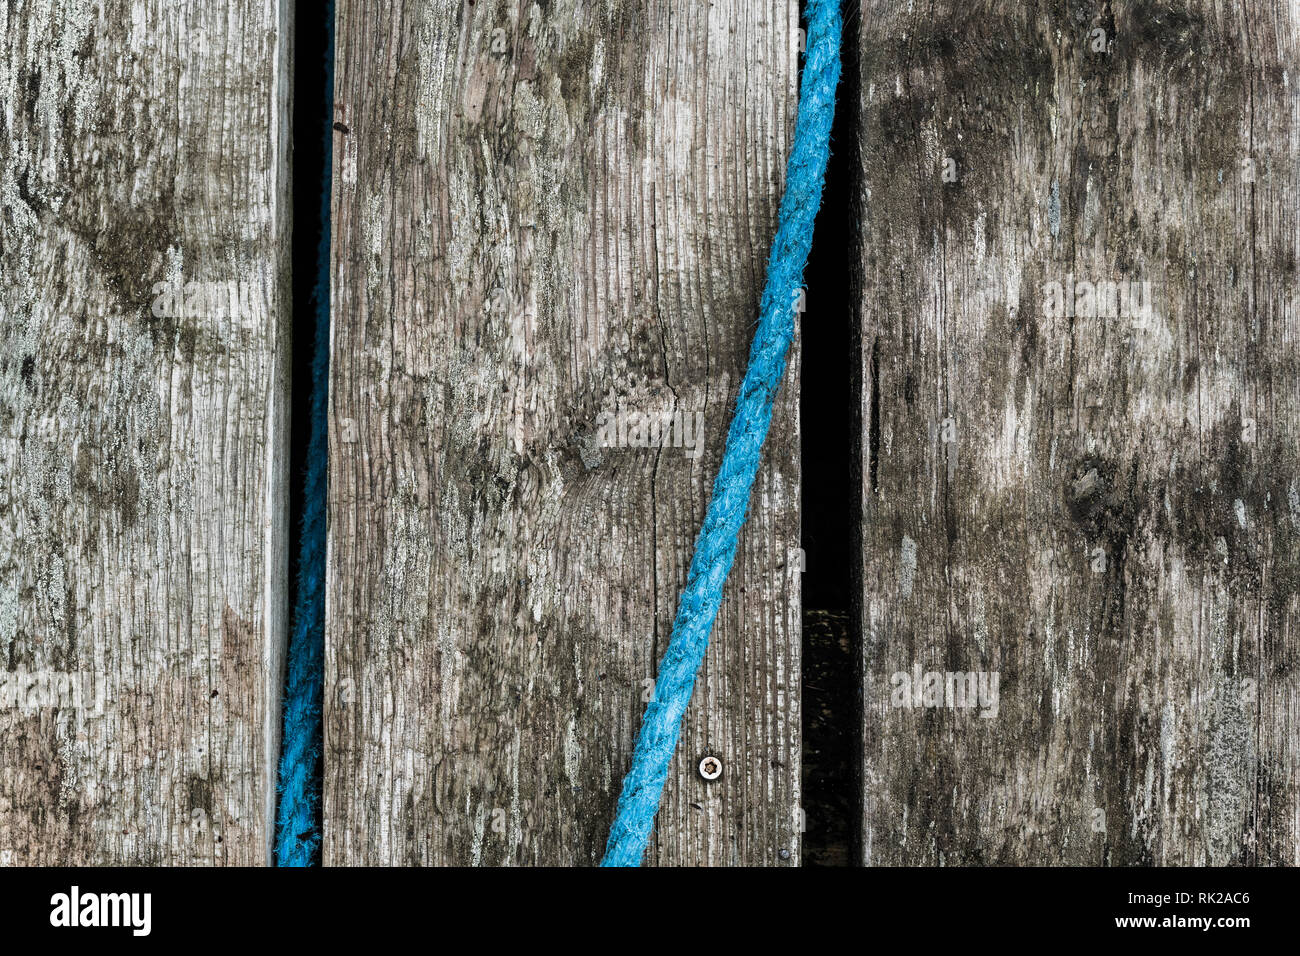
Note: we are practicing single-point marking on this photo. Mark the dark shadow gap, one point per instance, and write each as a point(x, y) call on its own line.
point(830, 427)
point(310, 160)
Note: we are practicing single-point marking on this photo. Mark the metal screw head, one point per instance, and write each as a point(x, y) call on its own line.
point(710, 767)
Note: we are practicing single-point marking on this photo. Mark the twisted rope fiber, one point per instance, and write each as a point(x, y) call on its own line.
point(715, 548)
point(297, 836)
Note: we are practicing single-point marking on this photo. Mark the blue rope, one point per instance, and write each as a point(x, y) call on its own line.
point(297, 837)
point(715, 548)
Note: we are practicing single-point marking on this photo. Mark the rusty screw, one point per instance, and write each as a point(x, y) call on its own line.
point(711, 767)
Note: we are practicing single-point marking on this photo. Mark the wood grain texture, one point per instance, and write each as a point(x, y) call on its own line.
point(544, 212)
point(1101, 508)
point(142, 455)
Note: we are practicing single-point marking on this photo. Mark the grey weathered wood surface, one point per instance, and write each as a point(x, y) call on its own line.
point(1114, 521)
point(142, 457)
point(543, 212)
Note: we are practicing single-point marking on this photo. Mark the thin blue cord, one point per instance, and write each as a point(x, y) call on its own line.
point(715, 548)
point(297, 837)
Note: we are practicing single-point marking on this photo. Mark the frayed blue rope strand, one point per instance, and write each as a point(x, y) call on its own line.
point(715, 548)
point(297, 837)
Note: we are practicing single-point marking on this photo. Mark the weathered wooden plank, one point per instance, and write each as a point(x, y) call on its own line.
point(143, 437)
point(1100, 508)
point(543, 214)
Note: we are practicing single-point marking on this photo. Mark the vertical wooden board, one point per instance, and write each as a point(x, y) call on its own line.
point(142, 440)
point(545, 213)
point(1100, 506)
